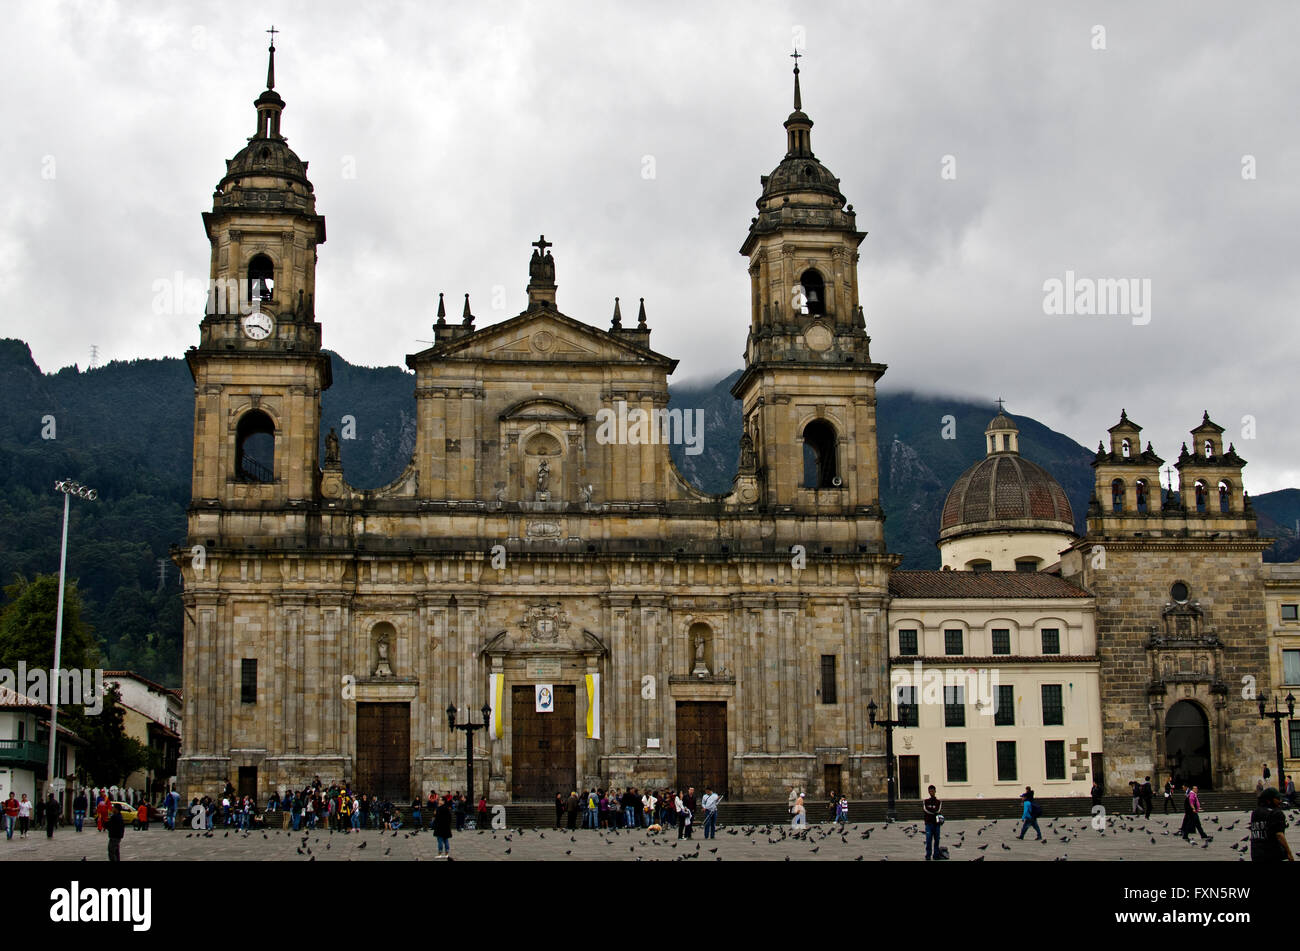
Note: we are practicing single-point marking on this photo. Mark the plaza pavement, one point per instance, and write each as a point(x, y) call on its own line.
point(1069, 838)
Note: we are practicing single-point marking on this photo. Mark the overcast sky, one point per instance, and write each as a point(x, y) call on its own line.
point(442, 138)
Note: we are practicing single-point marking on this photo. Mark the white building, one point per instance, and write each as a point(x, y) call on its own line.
point(24, 749)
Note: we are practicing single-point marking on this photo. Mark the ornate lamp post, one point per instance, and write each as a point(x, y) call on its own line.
point(69, 489)
point(469, 729)
point(891, 813)
point(1277, 716)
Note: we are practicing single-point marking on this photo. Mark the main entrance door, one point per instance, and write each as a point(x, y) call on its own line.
point(543, 746)
point(909, 777)
point(702, 745)
point(1187, 744)
point(384, 750)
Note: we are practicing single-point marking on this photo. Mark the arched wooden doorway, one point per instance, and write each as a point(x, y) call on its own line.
point(1187, 744)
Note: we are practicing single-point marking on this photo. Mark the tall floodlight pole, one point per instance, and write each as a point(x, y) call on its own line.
point(69, 489)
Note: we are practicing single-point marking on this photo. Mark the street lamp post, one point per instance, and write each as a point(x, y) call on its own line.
point(1277, 716)
point(891, 812)
point(69, 489)
point(469, 729)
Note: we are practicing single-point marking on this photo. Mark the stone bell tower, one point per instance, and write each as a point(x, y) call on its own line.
point(808, 390)
point(258, 369)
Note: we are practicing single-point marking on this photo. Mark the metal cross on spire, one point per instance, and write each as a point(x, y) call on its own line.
point(541, 244)
point(1000, 402)
point(798, 99)
point(270, 64)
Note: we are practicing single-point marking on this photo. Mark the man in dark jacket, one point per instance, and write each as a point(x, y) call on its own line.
point(1147, 794)
point(931, 808)
point(573, 809)
point(51, 815)
point(442, 820)
point(116, 829)
point(1267, 830)
point(559, 810)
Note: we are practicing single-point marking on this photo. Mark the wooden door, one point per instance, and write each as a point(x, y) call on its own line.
point(384, 751)
point(248, 781)
point(832, 780)
point(543, 746)
point(909, 777)
point(702, 745)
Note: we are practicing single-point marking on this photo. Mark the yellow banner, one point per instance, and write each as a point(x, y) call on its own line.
point(593, 706)
point(496, 688)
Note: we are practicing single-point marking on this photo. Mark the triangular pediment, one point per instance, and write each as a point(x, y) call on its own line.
point(543, 336)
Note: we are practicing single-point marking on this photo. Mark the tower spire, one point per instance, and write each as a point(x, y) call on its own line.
point(798, 100)
point(269, 104)
point(798, 127)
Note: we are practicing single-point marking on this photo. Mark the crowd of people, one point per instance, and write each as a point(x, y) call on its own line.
point(632, 809)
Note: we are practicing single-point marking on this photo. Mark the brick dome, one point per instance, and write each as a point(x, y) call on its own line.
point(1004, 492)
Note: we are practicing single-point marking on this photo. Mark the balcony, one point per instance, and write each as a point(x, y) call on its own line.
point(23, 753)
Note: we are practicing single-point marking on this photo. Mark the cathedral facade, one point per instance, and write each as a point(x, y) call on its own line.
point(683, 638)
point(623, 627)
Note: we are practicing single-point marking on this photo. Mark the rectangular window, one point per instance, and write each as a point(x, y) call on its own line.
point(952, 642)
point(248, 680)
point(1006, 761)
point(1051, 640)
point(1295, 737)
point(956, 755)
point(954, 706)
point(907, 644)
point(1291, 667)
point(1027, 565)
point(828, 679)
point(1053, 708)
point(1001, 640)
point(1291, 612)
point(1005, 714)
point(1055, 755)
point(909, 714)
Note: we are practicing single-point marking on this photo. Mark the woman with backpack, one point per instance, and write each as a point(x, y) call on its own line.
point(1029, 814)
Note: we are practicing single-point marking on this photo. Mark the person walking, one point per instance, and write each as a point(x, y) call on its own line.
point(559, 810)
point(1268, 830)
point(1169, 793)
point(79, 804)
point(800, 815)
point(1135, 790)
point(482, 812)
point(442, 821)
point(116, 829)
point(51, 815)
point(11, 814)
point(1148, 795)
point(1191, 815)
point(648, 803)
point(710, 803)
point(931, 807)
point(1029, 814)
point(791, 800)
point(1096, 793)
point(24, 816)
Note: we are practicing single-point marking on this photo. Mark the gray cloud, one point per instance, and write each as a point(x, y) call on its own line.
point(473, 128)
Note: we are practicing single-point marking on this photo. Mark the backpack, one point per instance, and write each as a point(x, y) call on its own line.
point(1035, 810)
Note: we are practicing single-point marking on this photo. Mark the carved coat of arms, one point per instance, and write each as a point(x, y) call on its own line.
point(545, 622)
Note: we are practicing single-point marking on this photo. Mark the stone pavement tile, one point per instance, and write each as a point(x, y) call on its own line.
point(1070, 838)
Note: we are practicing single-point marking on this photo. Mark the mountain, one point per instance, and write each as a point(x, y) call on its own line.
point(127, 428)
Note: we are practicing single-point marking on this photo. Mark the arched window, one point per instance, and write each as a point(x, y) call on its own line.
point(979, 565)
point(820, 462)
point(1141, 488)
point(255, 448)
point(1209, 449)
point(1225, 496)
point(1201, 497)
point(261, 279)
point(1117, 495)
point(814, 291)
point(1125, 448)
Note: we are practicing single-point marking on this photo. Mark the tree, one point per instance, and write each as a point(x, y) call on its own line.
point(109, 756)
point(27, 625)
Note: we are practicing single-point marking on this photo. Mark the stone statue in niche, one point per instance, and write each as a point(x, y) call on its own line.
point(543, 480)
point(584, 493)
point(331, 447)
point(701, 669)
point(382, 667)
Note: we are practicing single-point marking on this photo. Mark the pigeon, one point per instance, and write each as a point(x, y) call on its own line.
point(816, 850)
point(979, 859)
point(568, 851)
point(364, 844)
point(983, 847)
point(388, 851)
point(1006, 847)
